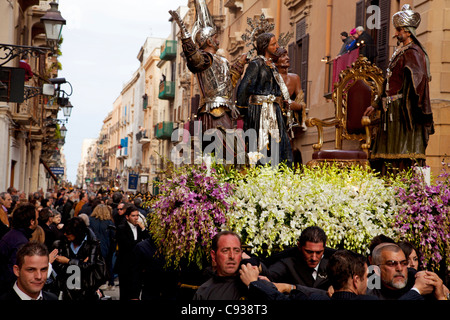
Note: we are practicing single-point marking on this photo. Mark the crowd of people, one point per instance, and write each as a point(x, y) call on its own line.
point(70, 244)
point(360, 39)
point(73, 245)
point(313, 271)
point(78, 231)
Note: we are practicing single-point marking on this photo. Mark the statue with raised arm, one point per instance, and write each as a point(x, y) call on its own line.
point(216, 76)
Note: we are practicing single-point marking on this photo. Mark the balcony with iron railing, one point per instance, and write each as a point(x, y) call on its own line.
point(163, 130)
point(142, 138)
point(31, 109)
point(169, 50)
point(166, 90)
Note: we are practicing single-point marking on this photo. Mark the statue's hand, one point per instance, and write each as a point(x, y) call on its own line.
point(175, 17)
point(369, 111)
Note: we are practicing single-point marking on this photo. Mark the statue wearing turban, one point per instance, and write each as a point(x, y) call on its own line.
point(406, 115)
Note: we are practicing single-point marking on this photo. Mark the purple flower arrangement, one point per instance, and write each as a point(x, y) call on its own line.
point(424, 219)
point(189, 211)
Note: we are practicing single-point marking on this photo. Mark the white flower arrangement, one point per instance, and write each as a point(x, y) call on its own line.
point(253, 157)
point(272, 207)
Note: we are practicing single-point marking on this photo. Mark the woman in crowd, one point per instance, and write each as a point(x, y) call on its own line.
point(101, 222)
point(79, 250)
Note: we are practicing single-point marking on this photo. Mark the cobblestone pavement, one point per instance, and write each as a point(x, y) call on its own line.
point(113, 292)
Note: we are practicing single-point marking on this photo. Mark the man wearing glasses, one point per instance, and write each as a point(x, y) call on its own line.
point(399, 281)
point(119, 216)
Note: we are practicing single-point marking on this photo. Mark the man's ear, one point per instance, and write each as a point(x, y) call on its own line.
point(16, 270)
point(213, 257)
point(355, 281)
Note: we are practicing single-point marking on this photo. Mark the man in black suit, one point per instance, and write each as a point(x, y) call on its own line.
point(31, 270)
point(128, 234)
point(305, 265)
point(366, 44)
point(347, 272)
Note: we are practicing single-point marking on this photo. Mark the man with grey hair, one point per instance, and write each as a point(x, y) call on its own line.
point(366, 44)
point(399, 282)
point(5, 205)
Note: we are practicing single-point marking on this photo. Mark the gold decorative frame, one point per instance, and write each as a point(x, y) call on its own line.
point(361, 69)
point(340, 163)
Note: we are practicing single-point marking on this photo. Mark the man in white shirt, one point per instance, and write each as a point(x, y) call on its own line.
point(31, 271)
point(306, 264)
point(128, 234)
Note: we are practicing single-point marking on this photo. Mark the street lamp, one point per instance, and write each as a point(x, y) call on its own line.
point(63, 131)
point(53, 23)
point(67, 109)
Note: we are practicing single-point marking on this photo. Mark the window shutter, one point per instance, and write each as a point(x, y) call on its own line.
point(292, 52)
point(360, 13)
point(298, 54)
point(383, 35)
point(304, 65)
point(195, 101)
point(300, 30)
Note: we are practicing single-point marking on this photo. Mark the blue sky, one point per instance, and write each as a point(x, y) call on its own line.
point(101, 41)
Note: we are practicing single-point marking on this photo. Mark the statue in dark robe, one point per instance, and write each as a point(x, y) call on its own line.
point(406, 115)
point(260, 95)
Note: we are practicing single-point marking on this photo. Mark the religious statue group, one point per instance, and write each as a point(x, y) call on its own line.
point(269, 100)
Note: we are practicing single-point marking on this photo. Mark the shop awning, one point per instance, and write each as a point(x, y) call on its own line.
point(48, 169)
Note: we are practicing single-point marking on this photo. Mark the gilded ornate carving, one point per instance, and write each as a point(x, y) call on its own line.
point(340, 163)
point(372, 76)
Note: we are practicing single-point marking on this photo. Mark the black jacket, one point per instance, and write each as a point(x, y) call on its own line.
point(126, 243)
point(3, 229)
point(262, 290)
point(367, 46)
point(11, 295)
point(406, 293)
point(291, 268)
point(150, 276)
point(90, 249)
point(65, 214)
point(50, 235)
point(222, 288)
